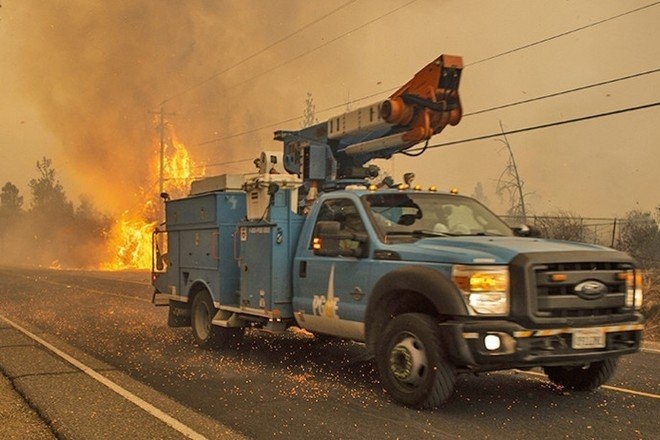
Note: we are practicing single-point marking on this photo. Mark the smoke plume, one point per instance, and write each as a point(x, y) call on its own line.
point(96, 68)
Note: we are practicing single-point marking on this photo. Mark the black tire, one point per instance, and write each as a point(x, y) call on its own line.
point(206, 334)
point(582, 377)
point(411, 362)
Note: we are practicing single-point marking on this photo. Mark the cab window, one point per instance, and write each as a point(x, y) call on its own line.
point(346, 214)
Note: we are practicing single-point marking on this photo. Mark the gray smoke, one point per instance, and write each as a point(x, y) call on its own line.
point(96, 68)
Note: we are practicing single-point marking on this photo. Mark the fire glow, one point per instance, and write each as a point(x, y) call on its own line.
point(129, 238)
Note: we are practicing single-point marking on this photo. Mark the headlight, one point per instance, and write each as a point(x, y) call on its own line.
point(634, 295)
point(485, 289)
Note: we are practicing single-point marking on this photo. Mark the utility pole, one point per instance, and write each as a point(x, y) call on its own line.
point(161, 129)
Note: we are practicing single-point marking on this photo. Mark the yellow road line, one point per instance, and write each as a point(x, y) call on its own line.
point(608, 387)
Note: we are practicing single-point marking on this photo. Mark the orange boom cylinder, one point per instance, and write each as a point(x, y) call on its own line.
point(429, 101)
point(421, 108)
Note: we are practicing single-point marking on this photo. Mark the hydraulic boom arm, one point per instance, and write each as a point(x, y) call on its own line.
point(339, 147)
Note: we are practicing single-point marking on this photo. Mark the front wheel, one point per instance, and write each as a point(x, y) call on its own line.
point(411, 362)
point(582, 377)
point(206, 334)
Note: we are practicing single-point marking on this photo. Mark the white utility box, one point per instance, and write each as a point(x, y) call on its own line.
point(256, 189)
point(223, 182)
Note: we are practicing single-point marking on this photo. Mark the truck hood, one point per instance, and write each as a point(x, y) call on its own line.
point(483, 250)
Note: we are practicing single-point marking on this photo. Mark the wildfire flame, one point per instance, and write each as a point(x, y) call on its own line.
point(129, 239)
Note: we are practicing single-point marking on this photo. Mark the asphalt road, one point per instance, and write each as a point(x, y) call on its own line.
point(292, 386)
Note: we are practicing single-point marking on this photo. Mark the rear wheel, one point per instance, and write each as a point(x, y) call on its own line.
point(206, 334)
point(582, 377)
point(411, 362)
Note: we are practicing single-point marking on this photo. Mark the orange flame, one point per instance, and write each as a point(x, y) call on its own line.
point(129, 239)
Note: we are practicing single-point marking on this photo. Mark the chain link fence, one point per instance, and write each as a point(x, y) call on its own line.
point(603, 231)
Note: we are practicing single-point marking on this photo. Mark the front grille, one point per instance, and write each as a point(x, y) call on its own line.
point(579, 289)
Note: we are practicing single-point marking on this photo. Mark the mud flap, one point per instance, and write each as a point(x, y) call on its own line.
point(179, 314)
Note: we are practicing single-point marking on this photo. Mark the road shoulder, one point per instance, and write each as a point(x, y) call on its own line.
point(70, 399)
point(19, 420)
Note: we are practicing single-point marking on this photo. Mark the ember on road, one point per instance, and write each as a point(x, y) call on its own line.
point(298, 388)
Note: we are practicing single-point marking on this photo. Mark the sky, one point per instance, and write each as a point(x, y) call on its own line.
point(81, 79)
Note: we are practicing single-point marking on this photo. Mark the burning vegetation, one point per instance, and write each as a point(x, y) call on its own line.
point(52, 232)
point(91, 71)
point(130, 233)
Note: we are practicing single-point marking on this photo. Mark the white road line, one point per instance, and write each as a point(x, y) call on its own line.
point(146, 406)
point(650, 350)
point(608, 387)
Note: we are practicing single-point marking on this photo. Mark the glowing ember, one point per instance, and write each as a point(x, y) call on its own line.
point(129, 239)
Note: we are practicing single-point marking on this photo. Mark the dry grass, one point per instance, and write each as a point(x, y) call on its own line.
point(651, 305)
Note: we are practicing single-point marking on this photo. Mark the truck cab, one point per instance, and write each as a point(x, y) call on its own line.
point(498, 300)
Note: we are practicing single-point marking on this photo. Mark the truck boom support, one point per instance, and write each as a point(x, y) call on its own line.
point(419, 109)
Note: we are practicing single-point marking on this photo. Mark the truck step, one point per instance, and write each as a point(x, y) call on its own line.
point(160, 300)
point(275, 326)
point(234, 320)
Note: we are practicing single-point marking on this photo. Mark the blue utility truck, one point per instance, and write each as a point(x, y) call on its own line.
point(434, 284)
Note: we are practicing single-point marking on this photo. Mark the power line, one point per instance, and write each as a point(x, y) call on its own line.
point(538, 98)
point(276, 124)
point(301, 54)
point(229, 162)
point(501, 133)
point(380, 17)
point(314, 49)
point(564, 92)
point(253, 130)
point(259, 52)
point(470, 64)
point(538, 127)
point(563, 34)
point(535, 43)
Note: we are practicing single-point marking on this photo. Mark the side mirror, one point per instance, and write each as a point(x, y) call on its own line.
point(526, 231)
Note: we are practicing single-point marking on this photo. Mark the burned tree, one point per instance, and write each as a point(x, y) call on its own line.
point(309, 114)
point(510, 184)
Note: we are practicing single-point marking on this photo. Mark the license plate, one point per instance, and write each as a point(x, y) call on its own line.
point(588, 338)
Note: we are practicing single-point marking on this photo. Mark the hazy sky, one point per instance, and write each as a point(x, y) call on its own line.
point(78, 79)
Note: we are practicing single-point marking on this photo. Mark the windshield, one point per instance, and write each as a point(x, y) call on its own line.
point(426, 214)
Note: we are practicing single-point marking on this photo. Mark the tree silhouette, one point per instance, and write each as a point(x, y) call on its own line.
point(48, 195)
point(640, 237)
point(11, 202)
point(564, 225)
point(480, 194)
point(11, 210)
